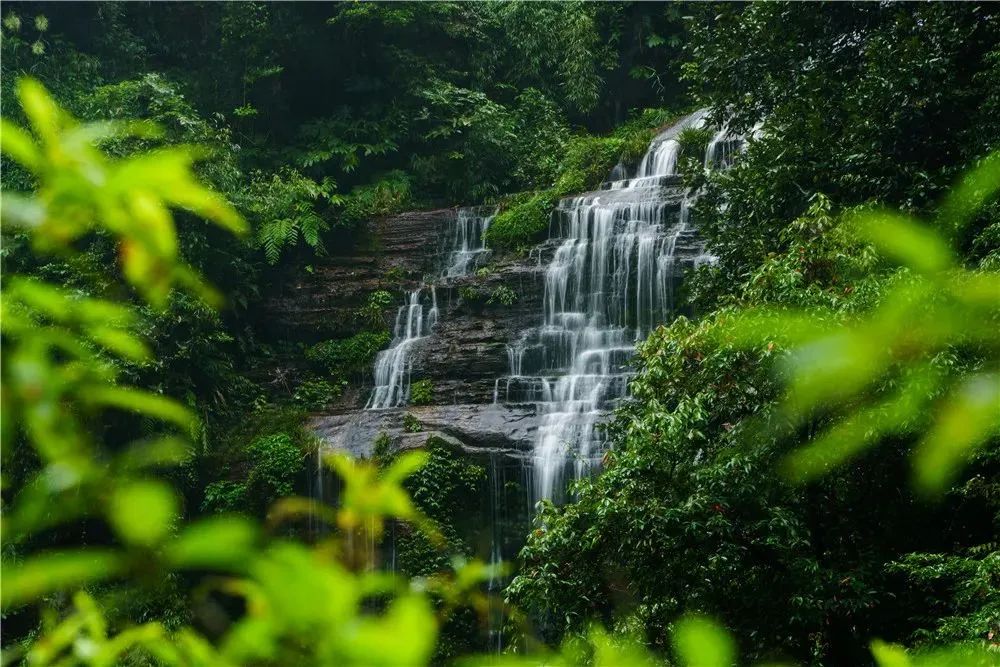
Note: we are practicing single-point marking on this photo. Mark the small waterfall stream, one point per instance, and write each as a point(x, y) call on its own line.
point(615, 258)
point(463, 251)
point(610, 271)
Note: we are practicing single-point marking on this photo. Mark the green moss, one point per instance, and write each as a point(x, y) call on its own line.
point(522, 220)
point(587, 160)
point(347, 356)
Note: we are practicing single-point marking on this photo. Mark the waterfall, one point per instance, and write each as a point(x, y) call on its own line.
point(616, 257)
point(463, 251)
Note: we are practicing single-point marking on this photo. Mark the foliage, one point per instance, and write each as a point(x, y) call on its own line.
point(421, 392)
point(317, 393)
point(840, 90)
point(277, 462)
point(372, 314)
point(962, 589)
point(302, 604)
point(928, 349)
point(503, 295)
point(283, 208)
point(224, 496)
point(389, 194)
point(411, 424)
point(348, 356)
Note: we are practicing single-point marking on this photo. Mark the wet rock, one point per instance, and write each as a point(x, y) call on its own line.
point(506, 429)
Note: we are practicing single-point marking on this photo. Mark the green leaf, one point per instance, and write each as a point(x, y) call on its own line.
point(406, 465)
point(57, 571)
point(968, 418)
point(905, 240)
point(19, 145)
point(974, 190)
point(889, 655)
point(700, 642)
point(141, 402)
point(42, 111)
point(218, 542)
point(143, 512)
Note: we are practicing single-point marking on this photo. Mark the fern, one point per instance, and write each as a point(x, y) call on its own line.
point(283, 208)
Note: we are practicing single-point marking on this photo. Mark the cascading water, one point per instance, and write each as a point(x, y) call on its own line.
point(618, 254)
point(464, 250)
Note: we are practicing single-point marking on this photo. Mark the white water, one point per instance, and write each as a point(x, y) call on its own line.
point(463, 251)
point(616, 257)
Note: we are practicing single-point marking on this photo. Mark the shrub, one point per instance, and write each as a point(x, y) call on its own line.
point(389, 194)
point(383, 450)
point(421, 392)
point(277, 463)
point(470, 294)
point(372, 313)
point(502, 295)
point(316, 393)
point(411, 424)
point(522, 220)
point(348, 355)
point(224, 496)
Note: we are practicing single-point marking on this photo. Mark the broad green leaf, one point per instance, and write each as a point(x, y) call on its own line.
point(157, 452)
point(700, 642)
point(969, 417)
point(42, 111)
point(19, 145)
point(905, 241)
point(141, 402)
point(406, 465)
point(862, 428)
point(409, 621)
point(218, 542)
point(889, 655)
point(57, 571)
point(973, 191)
point(143, 512)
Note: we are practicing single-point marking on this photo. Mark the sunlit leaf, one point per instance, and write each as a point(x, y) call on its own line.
point(43, 112)
point(969, 417)
point(218, 542)
point(409, 621)
point(905, 240)
point(889, 655)
point(19, 145)
point(700, 642)
point(143, 512)
point(405, 465)
point(862, 428)
point(973, 191)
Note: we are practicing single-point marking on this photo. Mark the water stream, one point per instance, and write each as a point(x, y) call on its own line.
point(463, 251)
point(615, 258)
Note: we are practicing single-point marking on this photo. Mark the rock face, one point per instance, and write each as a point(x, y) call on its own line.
point(387, 253)
point(463, 356)
point(480, 429)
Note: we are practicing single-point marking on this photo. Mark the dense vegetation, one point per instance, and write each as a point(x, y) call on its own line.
point(810, 501)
